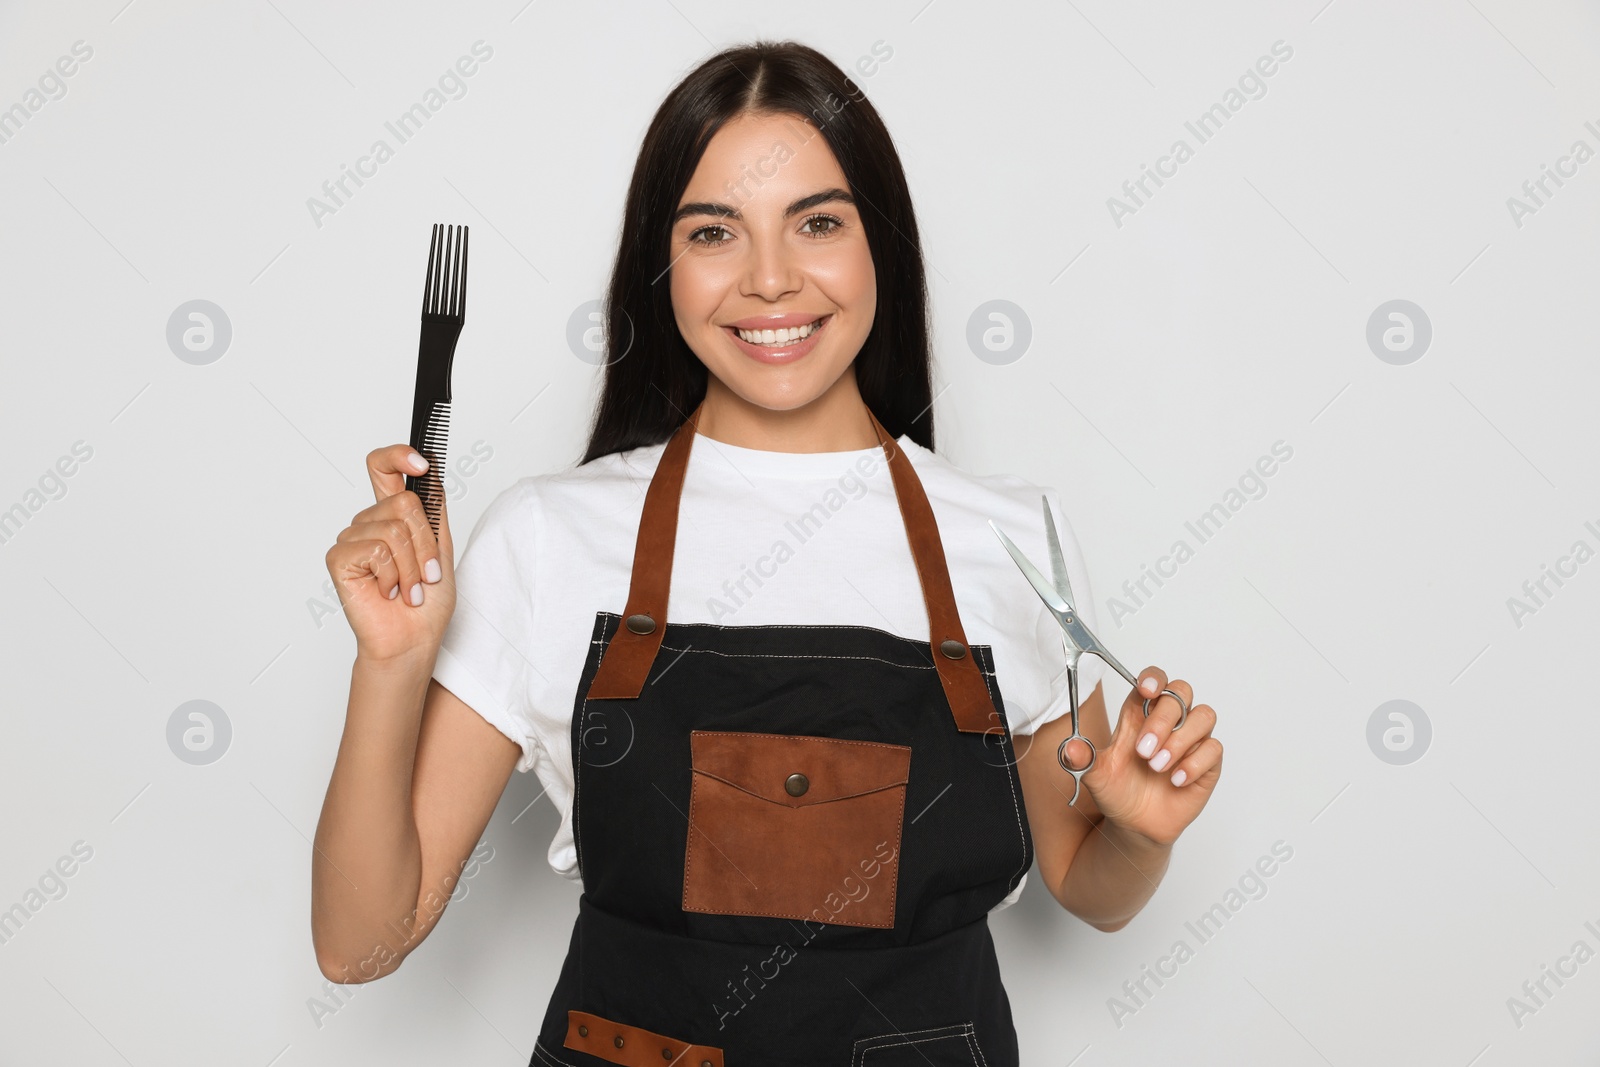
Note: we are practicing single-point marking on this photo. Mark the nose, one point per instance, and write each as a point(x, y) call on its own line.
point(771, 271)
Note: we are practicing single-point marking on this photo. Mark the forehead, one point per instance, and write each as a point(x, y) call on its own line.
point(752, 153)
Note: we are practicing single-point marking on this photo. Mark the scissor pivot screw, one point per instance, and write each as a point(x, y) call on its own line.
point(641, 624)
point(953, 648)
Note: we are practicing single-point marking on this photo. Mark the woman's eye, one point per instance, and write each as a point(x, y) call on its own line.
point(698, 239)
point(833, 224)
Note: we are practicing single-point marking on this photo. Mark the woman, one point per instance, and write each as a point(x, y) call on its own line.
point(794, 799)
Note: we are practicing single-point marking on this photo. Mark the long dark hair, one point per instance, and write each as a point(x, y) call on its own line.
point(652, 378)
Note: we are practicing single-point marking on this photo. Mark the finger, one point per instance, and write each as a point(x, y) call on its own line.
point(1130, 720)
point(1181, 742)
point(363, 565)
point(1151, 681)
point(407, 507)
point(388, 466)
point(1158, 726)
point(1204, 761)
point(444, 543)
point(410, 510)
point(395, 535)
point(1077, 753)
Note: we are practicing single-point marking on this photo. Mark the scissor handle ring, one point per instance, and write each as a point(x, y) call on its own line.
point(1182, 716)
point(1076, 772)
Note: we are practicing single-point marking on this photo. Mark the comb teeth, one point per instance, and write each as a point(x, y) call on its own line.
point(437, 433)
point(435, 438)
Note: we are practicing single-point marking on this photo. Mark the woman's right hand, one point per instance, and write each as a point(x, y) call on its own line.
point(387, 558)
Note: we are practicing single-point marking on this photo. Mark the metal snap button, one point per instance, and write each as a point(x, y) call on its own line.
point(641, 624)
point(953, 648)
point(796, 784)
point(666, 1054)
point(583, 1031)
point(617, 1041)
point(705, 1063)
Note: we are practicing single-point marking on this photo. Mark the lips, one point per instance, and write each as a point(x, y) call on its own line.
point(787, 346)
point(777, 331)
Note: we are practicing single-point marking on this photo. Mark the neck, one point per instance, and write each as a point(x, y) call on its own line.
point(836, 421)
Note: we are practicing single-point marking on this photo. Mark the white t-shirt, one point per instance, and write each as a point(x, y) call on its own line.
point(763, 537)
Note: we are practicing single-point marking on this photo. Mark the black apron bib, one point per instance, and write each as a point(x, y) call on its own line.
point(790, 836)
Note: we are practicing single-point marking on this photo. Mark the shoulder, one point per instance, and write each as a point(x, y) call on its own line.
point(965, 503)
point(575, 493)
point(964, 499)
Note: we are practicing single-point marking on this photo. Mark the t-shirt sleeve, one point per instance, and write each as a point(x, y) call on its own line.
point(1051, 640)
point(480, 657)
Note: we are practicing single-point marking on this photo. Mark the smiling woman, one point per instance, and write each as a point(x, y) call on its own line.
point(750, 189)
point(798, 244)
point(778, 821)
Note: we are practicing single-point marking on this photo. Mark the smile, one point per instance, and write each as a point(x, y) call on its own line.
point(779, 338)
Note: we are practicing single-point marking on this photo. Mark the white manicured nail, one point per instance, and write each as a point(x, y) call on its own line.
point(1147, 745)
point(395, 591)
point(1179, 777)
point(431, 571)
point(1161, 760)
point(416, 596)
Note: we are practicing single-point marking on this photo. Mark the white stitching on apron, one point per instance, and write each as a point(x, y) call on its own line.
point(977, 1051)
point(872, 1044)
point(793, 626)
point(539, 1051)
point(1017, 808)
point(804, 655)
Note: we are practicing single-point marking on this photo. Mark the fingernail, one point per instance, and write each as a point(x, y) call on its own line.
point(416, 596)
point(395, 591)
point(1178, 778)
point(1149, 686)
point(417, 462)
point(1147, 745)
point(430, 570)
point(1161, 760)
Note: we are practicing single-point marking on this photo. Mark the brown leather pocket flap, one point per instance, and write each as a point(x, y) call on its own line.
point(764, 764)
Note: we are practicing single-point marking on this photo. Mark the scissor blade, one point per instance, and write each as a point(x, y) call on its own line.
point(1058, 565)
point(1047, 592)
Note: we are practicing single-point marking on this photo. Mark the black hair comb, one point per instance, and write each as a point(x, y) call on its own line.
point(444, 310)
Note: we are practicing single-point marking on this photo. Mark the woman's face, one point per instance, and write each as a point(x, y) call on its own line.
point(768, 239)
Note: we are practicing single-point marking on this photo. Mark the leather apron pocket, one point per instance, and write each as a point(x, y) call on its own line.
point(794, 827)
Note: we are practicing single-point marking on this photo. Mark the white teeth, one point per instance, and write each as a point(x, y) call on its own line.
point(785, 336)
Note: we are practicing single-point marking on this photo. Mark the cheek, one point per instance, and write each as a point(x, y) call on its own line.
point(849, 279)
point(697, 291)
point(856, 292)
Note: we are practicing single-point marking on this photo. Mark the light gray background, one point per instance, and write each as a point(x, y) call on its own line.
point(184, 560)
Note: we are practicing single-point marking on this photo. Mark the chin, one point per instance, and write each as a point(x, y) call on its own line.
point(773, 396)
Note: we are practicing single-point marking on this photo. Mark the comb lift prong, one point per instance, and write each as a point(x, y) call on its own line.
point(442, 282)
point(427, 285)
point(455, 276)
point(461, 308)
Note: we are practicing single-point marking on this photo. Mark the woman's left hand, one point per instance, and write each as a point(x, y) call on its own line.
point(1133, 780)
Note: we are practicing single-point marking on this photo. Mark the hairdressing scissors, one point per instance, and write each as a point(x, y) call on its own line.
point(1075, 638)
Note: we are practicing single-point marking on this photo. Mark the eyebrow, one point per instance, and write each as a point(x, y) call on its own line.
point(805, 203)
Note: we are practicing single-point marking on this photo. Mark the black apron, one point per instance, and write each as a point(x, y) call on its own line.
point(790, 836)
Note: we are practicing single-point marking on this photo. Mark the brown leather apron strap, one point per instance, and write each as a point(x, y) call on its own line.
point(627, 660)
